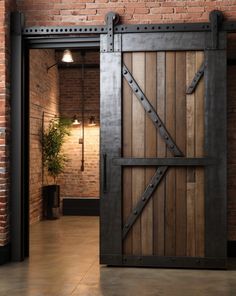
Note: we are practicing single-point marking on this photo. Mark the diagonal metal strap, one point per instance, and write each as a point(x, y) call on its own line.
point(151, 112)
point(150, 189)
point(196, 79)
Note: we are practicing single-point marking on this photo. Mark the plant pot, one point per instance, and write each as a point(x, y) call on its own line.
point(51, 202)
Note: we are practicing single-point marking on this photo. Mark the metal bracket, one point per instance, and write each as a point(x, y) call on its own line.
point(197, 77)
point(150, 189)
point(152, 113)
point(216, 19)
point(111, 19)
point(16, 19)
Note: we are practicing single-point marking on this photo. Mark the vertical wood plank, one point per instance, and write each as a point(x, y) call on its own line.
point(127, 152)
point(170, 178)
point(190, 117)
point(159, 197)
point(138, 146)
point(199, 152)
point(181, 203)
point(150, 151)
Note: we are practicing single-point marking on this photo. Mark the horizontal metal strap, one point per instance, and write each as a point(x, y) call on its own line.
point(196, 79)
point(150, 189)
point(55, 42)
point(138, 28)
point(164, 261)
point(229, 26)
point(174, 149)
point(60, 30)
point(169, 161)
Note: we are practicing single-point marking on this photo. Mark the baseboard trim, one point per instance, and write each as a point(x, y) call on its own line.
point(231, 248)
point(4, 254)
point(80, 207)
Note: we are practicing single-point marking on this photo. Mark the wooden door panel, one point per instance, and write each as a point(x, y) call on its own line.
point(199, 152)
point(168, 207)
point(138, 147)
point(170, 176)
point(127, 152)
point(150, 151)
point(180, 122)
point(172, 223)
point(159, 200)
point(190, 151)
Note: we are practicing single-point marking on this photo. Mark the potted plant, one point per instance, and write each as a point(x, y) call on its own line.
point(54, 161)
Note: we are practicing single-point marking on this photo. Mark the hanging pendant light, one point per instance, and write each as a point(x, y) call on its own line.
point(76, 121)
point(67, 56)
point(91, 121)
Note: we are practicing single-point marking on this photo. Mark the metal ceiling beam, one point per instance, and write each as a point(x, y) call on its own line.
point(65, 42)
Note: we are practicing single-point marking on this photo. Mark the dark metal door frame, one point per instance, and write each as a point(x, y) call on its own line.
point(19, 192)
point(22, 39)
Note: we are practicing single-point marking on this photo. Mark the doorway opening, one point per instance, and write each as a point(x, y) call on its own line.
point(64, 92)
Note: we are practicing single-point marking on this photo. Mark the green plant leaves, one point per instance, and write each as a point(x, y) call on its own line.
point(53, 138)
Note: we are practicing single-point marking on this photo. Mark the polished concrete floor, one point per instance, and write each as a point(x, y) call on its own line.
point(64, 261)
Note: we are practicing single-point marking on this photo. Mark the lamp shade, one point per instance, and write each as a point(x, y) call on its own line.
point(92, 121)
point(76, 121)
point(67, 56)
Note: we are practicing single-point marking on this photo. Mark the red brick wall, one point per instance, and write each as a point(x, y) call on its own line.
point(75, 183)
point(5, 8)
point(44, 97)
point(3, 129)
point(70, 12)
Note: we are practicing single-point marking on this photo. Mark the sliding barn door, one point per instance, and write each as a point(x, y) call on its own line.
point(163, 151)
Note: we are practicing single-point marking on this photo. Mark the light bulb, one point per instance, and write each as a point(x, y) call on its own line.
point(67, 56)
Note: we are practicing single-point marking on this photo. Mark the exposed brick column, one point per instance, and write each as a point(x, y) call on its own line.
point(5, 8)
